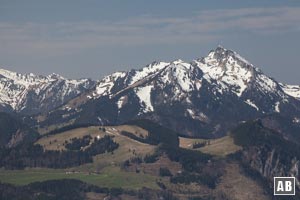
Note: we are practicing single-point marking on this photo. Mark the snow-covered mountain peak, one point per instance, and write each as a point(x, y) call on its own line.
point(25, 80)
point(138, 75)
point(179, 73)
point(105, 85)
point(220, 54)
point(227, 67)
point(5, 72)
point(128, 79)
point(55, 76)
point(34, 92)
point(9, 74)
point(178, 61)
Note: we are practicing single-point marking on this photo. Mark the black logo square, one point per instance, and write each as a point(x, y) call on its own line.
point(284, 186)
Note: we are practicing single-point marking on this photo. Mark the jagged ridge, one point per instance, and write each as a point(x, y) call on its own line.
point(31, 93)
point(207, 95)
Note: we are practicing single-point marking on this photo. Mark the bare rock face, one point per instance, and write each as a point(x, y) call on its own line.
point(267, 153)
point(16, 139)
point(270, 162)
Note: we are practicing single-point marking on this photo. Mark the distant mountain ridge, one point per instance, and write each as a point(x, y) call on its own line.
point(207, 96)
point(30, 94)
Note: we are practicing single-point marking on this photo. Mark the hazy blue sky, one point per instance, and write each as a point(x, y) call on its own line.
point(92, 38)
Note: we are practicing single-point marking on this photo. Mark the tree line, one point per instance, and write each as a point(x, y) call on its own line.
point(29, 155)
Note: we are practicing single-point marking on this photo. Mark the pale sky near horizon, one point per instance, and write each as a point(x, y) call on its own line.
point(93, 38)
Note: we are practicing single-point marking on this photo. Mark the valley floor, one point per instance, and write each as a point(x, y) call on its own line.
point(111, 177)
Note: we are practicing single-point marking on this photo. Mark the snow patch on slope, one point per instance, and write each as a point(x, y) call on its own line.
point(276, 107)
point(266, 83)
point(198, 116)
point(121, 102)
point(296, 120)
point(144, 94)
point(250, 103)
point(292, 90)
point(191, 112)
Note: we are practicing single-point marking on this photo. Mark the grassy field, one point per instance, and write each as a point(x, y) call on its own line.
point(109, 177)
point(221, 146)
point(137, 131)
point(218, 147)
point(55, 142)
point(187, 143)
point(128, 148)
point(106, 165)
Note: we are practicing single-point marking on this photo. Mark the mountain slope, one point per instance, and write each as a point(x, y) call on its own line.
point(29, 93)
point(267, 152)
point(206, 97)
point(13, 131)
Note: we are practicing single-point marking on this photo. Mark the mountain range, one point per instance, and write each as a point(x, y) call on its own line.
point(30, 94)
point(193, 98)
point(178, 130)
point(205, 97)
